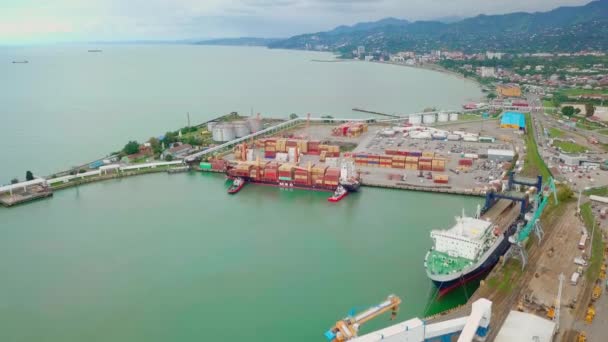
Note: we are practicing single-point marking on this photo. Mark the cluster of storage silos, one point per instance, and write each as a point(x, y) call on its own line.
point(429, 118)
point(443, 117)
point(227, 131)
point(415, 119)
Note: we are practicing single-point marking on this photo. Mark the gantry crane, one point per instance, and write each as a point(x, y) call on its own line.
point(517, 249)
point(348, 327)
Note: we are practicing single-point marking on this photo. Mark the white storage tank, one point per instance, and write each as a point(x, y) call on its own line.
point(453, 116)
point(241, 129)
point(443, 117)
point(211, 125)
point(429, 118)
point(255, 124)
point(223, 132)
point(415, 119)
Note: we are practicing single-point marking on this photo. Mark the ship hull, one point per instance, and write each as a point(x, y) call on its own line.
point(351, 187)
point(288, 185)
point(446, 285)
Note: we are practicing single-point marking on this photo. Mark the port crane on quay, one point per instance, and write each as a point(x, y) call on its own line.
point(517, 240)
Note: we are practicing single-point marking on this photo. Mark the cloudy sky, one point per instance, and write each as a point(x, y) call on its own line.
point(41, 21)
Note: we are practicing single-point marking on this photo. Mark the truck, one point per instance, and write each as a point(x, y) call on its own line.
point(580, 261)
point(574, 278)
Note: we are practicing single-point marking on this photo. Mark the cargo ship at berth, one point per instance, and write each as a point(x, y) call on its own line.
point(288, 175)
point(465, 252)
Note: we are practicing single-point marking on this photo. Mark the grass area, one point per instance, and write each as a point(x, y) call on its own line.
point(588, 125)
point(597, 252)
point(569, 147)
point(506, 280)
point(602, 191)
point(555, 133)
point(603, 131)
point(534, 165)
point(576, 92)
point(467, 116)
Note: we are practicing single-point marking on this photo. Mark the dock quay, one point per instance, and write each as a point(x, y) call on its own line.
point(180, 169)
point(24, 197)
point(413, 187)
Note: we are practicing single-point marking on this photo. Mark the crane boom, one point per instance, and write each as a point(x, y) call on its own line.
point(348, 327)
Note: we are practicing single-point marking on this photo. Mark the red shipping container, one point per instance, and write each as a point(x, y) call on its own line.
point(465, 162)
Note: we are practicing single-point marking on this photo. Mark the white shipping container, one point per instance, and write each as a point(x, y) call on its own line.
point(598, 198)
point(471, 156)
point(470, 138)
point(331, 162)
point(420, 135)
point(453, 137)
point(582, 241)
point(282, 157)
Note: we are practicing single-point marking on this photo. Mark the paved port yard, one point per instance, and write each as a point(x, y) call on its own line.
point(472, 181)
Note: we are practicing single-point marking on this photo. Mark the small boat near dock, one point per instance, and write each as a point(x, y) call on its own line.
point(237, 184)
point(340, 193)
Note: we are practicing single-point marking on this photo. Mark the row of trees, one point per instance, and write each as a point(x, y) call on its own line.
point(570, 110)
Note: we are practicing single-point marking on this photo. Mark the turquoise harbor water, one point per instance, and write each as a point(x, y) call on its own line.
point(173, 257)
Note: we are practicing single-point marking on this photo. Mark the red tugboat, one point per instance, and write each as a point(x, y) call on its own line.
point(237, 184)
point(338, 195)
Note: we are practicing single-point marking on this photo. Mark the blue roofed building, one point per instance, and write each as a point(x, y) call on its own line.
point(514, 120)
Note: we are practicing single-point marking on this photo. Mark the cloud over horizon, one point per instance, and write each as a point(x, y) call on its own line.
point(39, 21)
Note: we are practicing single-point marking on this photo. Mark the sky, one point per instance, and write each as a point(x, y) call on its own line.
point(48, 21)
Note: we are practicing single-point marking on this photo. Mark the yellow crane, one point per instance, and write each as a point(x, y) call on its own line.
point(348, 327)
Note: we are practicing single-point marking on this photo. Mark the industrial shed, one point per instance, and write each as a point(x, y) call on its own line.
point(522, 327)
point(501, 155)
point(515, 120)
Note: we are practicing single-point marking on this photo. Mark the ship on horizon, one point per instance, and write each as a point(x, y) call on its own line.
point(465, 252)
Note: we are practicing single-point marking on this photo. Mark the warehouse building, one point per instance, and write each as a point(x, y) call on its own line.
point(514, 120)
point(509, 90)
point(501, 155)
point(523, 326)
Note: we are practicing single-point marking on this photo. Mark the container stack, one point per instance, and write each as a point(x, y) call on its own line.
point(425, 164)
point(386, 161)
point(302, 176)
point(332, 177)
point(465, 164)
point(302, 146)
point(242, 170)
point(270, 149)
point(281, 145)
point(286, 172)
point(317, 175)
point(398, 162)
point(330, 150)
point(440, 179)
point(438, 164)
point(392, 152)
point(271, 172)
point(313, 147)
point(411, 163)
point(428, 154)
point(349, 129)
point(293, 155)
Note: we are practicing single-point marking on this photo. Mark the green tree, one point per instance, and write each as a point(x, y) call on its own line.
point(168, 157)
point(589, 109)
point(29, 176)
point(577, 111)
point(293, 116)
point(156, 145)
point(170, 138)
point(491, 96)
point(14, 181)
point(568, 110)
point(131, 147)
